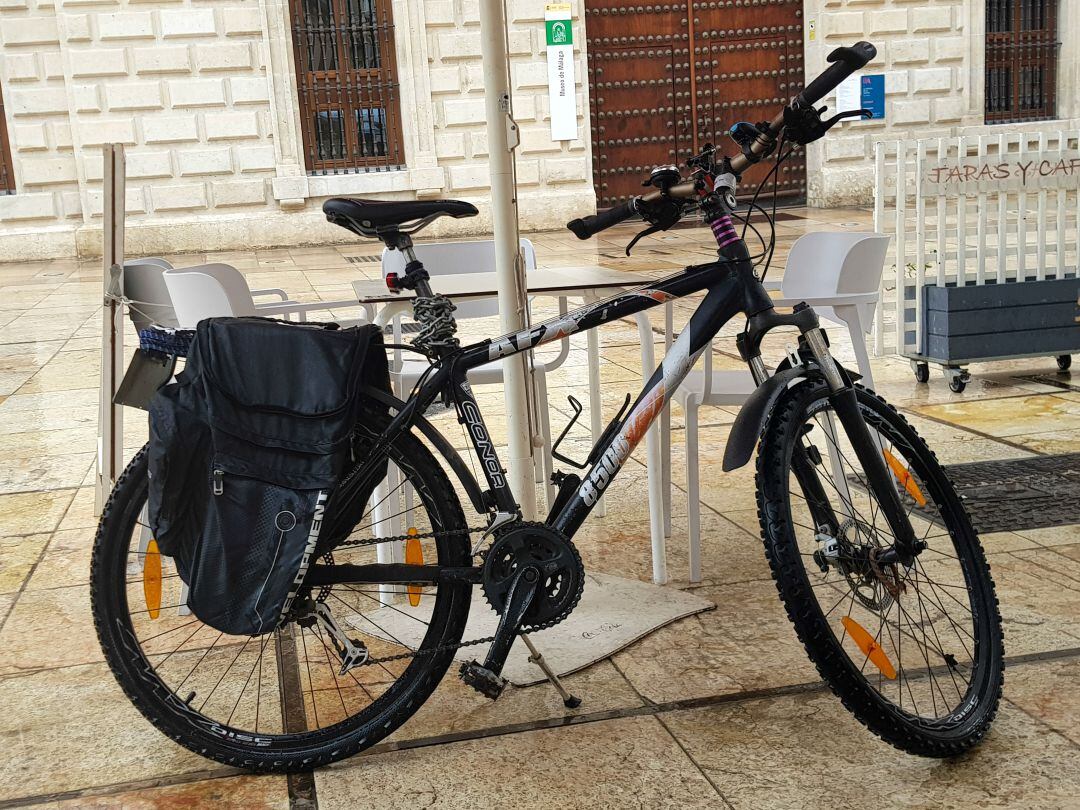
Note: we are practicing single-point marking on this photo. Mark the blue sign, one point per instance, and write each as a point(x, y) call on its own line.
point(873, 94)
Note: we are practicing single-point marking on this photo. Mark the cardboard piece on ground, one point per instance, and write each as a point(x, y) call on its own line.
point(613, 613)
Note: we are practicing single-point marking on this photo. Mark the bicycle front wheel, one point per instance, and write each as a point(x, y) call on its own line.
point(283, 701)
point(914, 652)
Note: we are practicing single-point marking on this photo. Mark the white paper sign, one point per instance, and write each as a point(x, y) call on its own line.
point(560, 56)
point(849, 94)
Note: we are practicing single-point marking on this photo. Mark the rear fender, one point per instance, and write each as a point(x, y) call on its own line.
point(446, 450)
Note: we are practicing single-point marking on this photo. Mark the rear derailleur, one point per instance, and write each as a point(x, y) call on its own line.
point(352, 652)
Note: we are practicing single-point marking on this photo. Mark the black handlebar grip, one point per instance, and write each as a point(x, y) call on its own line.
point(845, 61)
point(590, 226)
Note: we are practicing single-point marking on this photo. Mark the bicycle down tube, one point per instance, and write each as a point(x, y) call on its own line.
point(732, 288)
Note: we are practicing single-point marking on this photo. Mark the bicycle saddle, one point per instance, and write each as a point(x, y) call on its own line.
point(375, 217)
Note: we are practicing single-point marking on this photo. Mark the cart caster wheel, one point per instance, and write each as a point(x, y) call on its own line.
point(922, 372)
point(1064, 362)
point(958, 379)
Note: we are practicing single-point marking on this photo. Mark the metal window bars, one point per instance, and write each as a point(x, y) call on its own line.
point(348, 88)
point(1021, 60)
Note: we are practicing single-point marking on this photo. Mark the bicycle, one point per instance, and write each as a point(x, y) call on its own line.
point(870, 547)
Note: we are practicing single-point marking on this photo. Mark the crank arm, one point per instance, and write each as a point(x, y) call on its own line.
point(487, 678)
point(521, 596)
point(392, 574)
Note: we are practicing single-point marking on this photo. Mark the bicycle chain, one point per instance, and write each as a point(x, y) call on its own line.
point(442, 647)
point(401, 538)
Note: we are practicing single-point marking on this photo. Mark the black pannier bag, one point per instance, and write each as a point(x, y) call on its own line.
point(246, 448)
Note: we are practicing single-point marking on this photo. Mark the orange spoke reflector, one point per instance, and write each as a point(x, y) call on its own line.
point(869, 647)
point(151, 581)
point(414, 555)
point(904, 476)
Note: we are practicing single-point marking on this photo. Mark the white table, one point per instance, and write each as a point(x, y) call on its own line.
point(590, 283)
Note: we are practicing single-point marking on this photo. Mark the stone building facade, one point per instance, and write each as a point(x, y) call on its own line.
point(203, 93)
point(932, 53)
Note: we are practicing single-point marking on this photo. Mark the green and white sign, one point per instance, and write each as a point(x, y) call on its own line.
point(560, 55)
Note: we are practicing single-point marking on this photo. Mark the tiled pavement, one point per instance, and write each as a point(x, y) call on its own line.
point(719, 710)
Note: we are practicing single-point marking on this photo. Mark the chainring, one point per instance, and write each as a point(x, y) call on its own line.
point(539, 545)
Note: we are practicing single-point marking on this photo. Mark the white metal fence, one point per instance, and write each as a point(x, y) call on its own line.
point(975, 209)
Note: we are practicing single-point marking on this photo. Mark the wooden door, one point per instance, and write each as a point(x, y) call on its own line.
point(666, 79)
point(7, 176)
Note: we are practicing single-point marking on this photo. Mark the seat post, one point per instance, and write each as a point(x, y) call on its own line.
point(416, 277)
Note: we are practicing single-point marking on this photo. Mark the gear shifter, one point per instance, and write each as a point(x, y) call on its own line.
point(803, 124)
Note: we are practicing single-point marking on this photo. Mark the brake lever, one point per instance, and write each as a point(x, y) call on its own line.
point(660, 219)
point(864, 114)
point(803, 125)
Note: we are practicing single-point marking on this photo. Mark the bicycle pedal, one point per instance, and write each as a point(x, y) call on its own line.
point(482, 679)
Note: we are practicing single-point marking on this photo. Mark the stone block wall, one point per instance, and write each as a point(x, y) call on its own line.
point(561, 169)
point(925, 50)
point(182, 85)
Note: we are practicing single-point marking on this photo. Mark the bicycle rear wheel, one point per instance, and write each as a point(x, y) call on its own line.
point(281, 702)
point(915, 653)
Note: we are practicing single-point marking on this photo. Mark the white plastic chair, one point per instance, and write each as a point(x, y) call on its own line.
point(452, 258)
point(146, 293)
point(838, 274)
point(219, 290)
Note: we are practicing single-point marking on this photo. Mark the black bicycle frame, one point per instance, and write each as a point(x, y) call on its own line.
point(732, 288)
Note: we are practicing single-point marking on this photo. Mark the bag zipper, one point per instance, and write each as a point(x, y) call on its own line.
point(219, 482)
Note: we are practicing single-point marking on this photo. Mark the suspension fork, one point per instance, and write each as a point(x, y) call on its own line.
point(817, 499)
point(879, 478)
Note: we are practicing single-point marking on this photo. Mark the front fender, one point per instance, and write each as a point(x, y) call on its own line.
point(755, 412)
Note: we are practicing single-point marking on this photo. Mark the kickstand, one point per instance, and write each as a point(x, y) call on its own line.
point(569, 701)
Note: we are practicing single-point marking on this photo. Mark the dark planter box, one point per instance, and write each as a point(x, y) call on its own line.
point(998, 321)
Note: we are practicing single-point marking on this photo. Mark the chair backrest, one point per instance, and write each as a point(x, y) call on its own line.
point(148, 296)
point(824, 264)
point(451, 258)
point(208, 291)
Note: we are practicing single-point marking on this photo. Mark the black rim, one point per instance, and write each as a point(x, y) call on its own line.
point(915, 636)
point(284, 689)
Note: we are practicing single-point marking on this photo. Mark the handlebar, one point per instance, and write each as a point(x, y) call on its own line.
point(585, 227)
point(844, 62)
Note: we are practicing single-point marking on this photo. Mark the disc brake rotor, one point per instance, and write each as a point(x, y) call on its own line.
point(875, 586)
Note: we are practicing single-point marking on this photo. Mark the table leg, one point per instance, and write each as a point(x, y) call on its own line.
point(595, 400)
point(665, 428)
point(654, 462)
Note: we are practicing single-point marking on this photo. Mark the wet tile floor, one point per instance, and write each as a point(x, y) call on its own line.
point(719, 710)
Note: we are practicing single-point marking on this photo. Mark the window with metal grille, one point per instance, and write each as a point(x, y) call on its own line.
point(7, 175)
point(347, 79)
point(1021, 60)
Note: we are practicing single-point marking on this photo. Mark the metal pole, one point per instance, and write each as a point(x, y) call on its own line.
point(111, 416)
point(503, 138)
